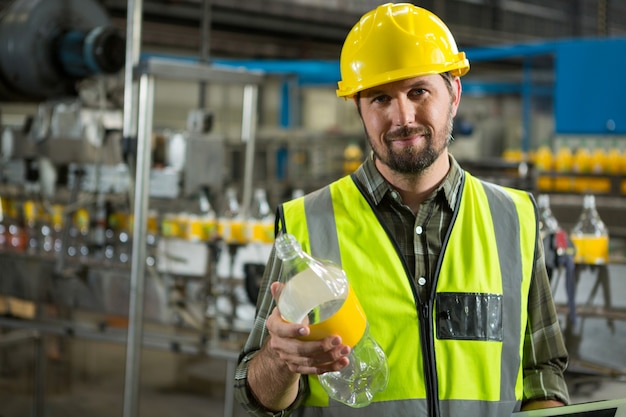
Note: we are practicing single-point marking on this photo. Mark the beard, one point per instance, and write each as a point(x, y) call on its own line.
point(411, 159)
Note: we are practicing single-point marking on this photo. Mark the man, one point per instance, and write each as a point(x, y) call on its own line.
point(448, 269)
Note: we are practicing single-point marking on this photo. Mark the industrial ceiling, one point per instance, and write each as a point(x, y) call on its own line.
point(315, 29)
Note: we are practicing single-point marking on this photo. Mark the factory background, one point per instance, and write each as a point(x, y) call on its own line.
point(233, 111)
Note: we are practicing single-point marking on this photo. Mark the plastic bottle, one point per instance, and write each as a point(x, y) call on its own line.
point(548, 224)
point(56, 236)
point(352, 158)
point(208, 214)
point(590, 236)
point(613, 160)
point(563, 165)
point(544, 161)
point(30, 227)
point(231, 223)
point(260, 225)
point(581, 164)
point(318, 293)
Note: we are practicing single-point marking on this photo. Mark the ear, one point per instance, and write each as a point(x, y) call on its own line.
point(456, 89)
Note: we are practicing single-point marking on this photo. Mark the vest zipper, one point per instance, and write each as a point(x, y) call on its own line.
point(427, 333)
point(428, 356)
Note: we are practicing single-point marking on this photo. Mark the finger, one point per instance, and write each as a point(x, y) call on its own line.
point(315, 365)
point(276, 288)
point(309, 357)
point(277, 326)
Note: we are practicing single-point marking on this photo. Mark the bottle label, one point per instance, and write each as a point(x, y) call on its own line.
point(349, 322)
point(591, 249)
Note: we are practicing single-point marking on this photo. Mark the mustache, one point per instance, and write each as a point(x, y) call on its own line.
point(406, 131)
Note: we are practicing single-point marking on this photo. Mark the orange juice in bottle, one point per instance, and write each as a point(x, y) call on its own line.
point(581, 164)
point(599, 167)
point(544, 160)
point(590, 235)
point(613, 160)
point(563, 165)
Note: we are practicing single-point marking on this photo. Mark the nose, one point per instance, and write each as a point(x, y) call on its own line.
point(404, 112)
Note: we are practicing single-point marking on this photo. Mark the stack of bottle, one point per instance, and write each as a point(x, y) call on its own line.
point(101, 231)
point(231, 225)
point(580, 167)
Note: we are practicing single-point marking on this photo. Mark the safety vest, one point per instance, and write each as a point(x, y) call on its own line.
point(459, 352)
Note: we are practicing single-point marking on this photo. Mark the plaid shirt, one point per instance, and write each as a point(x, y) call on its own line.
point(545, 356)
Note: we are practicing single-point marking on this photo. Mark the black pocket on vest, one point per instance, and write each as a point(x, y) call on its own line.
point(469, 316)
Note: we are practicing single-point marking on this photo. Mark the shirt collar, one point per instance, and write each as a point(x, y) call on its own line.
point(377, 187)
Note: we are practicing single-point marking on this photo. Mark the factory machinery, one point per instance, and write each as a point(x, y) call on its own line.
point(74, 262)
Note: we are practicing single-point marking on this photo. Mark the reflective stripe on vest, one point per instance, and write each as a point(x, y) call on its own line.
point(337, 223)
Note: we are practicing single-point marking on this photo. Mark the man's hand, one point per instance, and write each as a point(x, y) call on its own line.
point(537, 404)
point(275, 370)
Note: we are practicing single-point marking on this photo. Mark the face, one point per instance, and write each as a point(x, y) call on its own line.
point(409, 122)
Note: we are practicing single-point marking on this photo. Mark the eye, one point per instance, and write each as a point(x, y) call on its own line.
point(416, 92)
point(381, 99)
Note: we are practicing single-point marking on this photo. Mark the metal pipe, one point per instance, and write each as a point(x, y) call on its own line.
point(133, 45)
point(133, 347)
point(205, 48)
point(248, 134)
point(138, 263)
point(527, 99)
point(229, 393)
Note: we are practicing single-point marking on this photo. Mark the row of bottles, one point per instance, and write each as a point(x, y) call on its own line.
point(232, 225)
point(103, 231)
point(582, 167)
point(589, 235)
point(27, 226)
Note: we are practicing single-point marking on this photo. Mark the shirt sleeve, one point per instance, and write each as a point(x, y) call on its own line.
point(545, 356)
point(256, 339)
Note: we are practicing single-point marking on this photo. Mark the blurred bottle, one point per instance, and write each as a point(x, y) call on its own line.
point(581, 164)
point(15, 234)
point(590, 236)
point(352, 158)
point(152, 237)
point(124, 237)
point(31, 228)
point(598, 160)
point(613, 160)
point(514, 155)
point(260, 227)
point(208, 214)
point(58, 222)
point(297, 193)
point(548, 224)
point(599, 168)
point(318, 294)
point(563, 166)
point(110, 232)
point(231, 222)
point(78, 245)
point(98, 228)
point(544, 162)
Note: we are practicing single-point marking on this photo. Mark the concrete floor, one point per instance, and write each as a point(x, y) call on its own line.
point(93, 384)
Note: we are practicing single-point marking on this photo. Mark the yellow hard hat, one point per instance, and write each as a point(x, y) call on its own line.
point(395, 42)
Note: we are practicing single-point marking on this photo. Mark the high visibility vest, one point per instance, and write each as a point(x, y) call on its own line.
point(459, 352)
